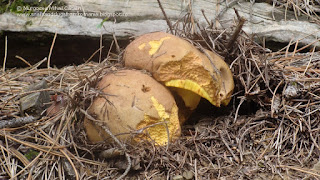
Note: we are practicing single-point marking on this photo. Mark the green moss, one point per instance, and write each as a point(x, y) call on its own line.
point(11, 6)
point(18, 6)
point(28, 23)
point(31, 154)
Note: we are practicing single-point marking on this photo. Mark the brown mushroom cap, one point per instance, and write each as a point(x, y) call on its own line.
point(227, 85)
point(177, 63)
point(129, 101)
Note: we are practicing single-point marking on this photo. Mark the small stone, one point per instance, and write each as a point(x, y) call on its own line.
point(34, 103)
point(67, 168)
point(177, 177)
point(291, 91)
point(188, 175)
point(36, 86)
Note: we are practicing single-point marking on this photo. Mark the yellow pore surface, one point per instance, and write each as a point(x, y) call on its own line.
point(188, 97)
point(190, 74)
point(158, 129)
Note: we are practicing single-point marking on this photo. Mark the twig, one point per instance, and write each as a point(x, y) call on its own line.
point(16, 122)
point(301, 170)
point(152, 158)
point(165, 16)
point(46, 9)
point(242, 99)
point(45, 149)
point(230, 150)
point(51, 48)
point(5, 54)
point(308, 65)
point(217, 71)
point(273, 98)
point(139, 131)
point(295, 48)
point(304, 37)
point(23, 60)
point(98, 50)
point(101, 45)
point(28, 165)
point(306, 46)
point(98, 123)
point(116, 42)
point(287, 49)
point(242, 136)
point(205, 17)
point(195, 170)
point(236, 32)
point(217, 13)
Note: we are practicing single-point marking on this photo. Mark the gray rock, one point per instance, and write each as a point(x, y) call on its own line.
point(133, 18)
point(35, 102)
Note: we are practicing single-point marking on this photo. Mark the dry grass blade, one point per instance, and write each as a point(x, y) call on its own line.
point(23, 60)
point(5, 54)
point(51, 48)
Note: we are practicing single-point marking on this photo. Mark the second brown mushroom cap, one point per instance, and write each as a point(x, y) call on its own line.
point(176, 63)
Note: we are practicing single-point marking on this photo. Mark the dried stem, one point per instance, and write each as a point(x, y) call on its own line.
point(165, 16)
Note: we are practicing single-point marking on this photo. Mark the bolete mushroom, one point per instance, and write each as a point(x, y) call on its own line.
point(133, 105)
point(177, 63)
point(227, 83)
